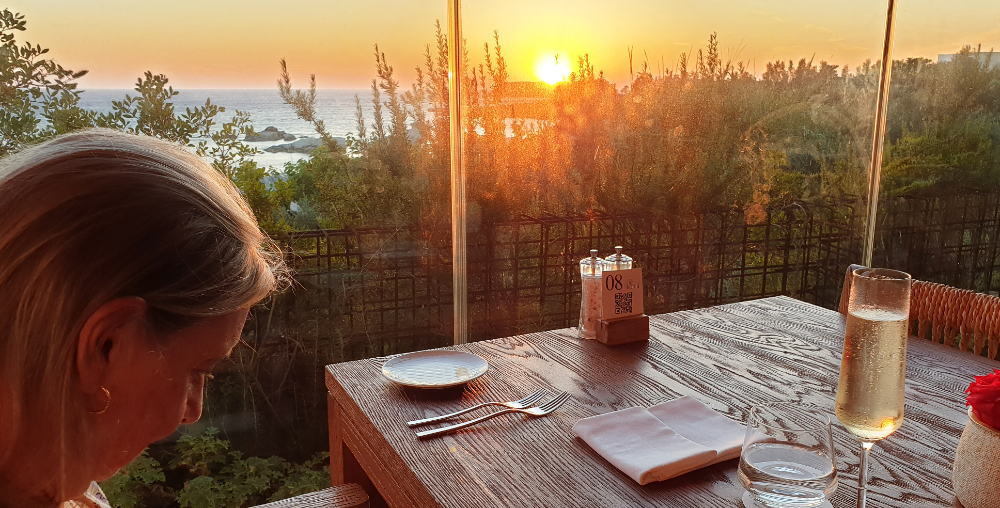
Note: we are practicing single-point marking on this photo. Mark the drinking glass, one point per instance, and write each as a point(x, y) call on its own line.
point(787, 457)
point(873, 368)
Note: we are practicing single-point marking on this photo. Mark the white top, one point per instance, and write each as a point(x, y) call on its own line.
point(93, 498)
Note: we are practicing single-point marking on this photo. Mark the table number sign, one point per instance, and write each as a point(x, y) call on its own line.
point(621, 293)
point(622, 319)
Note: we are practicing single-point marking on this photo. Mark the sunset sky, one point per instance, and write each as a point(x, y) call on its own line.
point(229, 44)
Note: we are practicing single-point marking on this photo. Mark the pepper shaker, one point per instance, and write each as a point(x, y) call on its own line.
point(618, 261)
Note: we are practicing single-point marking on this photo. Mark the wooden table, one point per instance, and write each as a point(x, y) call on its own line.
point(729, 357)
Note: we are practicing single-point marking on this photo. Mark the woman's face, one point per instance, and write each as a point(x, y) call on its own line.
point(159, 388)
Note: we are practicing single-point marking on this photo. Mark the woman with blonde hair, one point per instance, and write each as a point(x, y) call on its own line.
point(127, 269)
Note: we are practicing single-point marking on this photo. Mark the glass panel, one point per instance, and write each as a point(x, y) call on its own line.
point(353, 182)
point(725, 147)
point(939, 203)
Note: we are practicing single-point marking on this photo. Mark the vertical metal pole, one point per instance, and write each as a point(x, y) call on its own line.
point(875, 175)
point(458, 244)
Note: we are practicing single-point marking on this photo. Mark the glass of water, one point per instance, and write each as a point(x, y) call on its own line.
point(787, 457)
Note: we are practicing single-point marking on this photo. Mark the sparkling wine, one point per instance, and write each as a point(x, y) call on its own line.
point(873, 373)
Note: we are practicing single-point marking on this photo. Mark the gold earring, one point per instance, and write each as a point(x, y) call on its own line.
point(106, 406)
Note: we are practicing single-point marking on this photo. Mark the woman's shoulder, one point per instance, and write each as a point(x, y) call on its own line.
point(93, 498)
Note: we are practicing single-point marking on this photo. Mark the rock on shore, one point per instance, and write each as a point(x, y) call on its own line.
point(304, 145)
point(269, 134)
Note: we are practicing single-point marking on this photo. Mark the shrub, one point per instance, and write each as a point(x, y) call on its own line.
point(204, 472)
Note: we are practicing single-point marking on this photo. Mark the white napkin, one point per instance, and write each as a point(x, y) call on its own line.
point(640, 443)
point(641, 446)
point(703, 425)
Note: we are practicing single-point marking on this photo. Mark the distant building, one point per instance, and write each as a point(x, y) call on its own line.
point(984, 56)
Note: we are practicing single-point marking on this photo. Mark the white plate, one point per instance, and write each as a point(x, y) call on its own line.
point(434, 369)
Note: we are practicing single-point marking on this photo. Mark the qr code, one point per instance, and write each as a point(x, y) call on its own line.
point(623, 303)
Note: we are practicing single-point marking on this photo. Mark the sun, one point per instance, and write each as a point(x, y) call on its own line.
point(551, 70)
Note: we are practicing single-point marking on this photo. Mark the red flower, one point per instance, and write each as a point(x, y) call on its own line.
point(984, 397)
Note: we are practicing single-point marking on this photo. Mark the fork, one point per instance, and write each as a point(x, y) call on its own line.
point(542, 410)
point(516, 404)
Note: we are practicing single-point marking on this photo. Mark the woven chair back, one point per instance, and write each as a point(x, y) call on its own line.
point(941, 313)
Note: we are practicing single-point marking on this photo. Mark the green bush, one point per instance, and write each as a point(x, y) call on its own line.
point(135, 482)
point(204, 472)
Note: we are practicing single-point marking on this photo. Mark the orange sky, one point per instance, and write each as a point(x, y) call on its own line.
point(229, 44)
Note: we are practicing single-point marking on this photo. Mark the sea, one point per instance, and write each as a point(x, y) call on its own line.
point(336, 107)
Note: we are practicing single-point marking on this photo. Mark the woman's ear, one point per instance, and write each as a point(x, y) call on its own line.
point(105, 336)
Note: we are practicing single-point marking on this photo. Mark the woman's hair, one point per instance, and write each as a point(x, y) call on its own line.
point(97, 215)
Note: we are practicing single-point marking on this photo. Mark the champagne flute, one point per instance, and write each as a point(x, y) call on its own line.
point(873, 369)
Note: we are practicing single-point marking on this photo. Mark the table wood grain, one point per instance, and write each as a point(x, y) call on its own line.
point(728, 357)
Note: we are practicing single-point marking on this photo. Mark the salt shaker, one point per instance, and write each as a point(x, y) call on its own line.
point(590, 305)
point(618, 261)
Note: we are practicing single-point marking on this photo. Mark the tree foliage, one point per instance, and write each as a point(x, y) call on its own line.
point(33, 88)
point(212, 475)
point(706, 134)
